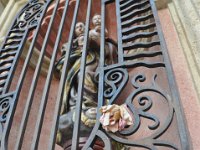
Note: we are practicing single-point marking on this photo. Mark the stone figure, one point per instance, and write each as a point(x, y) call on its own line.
point(96, 31)
point(70, 93)
point(95, 38)
point(88, 114)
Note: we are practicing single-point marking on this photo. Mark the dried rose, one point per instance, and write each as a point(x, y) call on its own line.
point(115, 118)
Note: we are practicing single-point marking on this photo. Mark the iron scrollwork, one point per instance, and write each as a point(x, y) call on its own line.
point(116, 76)
point(135, 27)
point(115, 80)
point(29, 16)
point(5, 105)
point(145, 103)
point(27, 19)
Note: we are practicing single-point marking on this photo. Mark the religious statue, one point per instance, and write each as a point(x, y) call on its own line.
point(89, 104)
point(95, 38)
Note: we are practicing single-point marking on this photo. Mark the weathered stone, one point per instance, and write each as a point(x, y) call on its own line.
point(187, 22)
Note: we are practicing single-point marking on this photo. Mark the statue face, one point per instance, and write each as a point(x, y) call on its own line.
point(96, 20)
point(79, 29)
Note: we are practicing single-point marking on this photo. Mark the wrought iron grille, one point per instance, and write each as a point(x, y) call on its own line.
point(140, 77)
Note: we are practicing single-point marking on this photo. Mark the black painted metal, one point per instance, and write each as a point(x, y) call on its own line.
point(28, 18)
point(132, 19)
point(94, 132)
point(62, 80)
point(75, 139)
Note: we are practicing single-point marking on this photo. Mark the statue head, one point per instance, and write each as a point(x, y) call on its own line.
point(79, 29)
point(96, 20)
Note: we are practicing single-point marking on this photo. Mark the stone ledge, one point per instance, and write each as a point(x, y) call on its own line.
point(186, 22)
point(4, 2)
point(9, 14)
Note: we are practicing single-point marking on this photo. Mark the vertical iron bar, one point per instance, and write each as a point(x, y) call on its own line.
point(102, 57)
point(78, 109)
point(42, 108)
point(62, 81)
point(34, 81)
point(119, 33)
point(172, 84)
point(101, 78)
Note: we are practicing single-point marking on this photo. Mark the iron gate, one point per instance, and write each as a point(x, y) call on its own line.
point(141, 77)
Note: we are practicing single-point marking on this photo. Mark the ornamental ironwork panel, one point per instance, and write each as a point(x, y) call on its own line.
point(108, 60)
